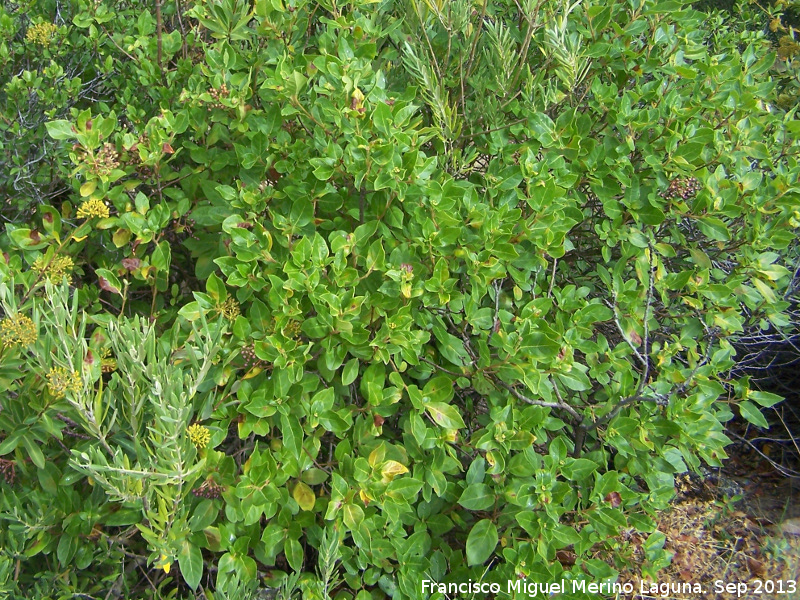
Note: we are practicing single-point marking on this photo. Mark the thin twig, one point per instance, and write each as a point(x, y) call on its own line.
point(428, 40)
point(790, 473)
point(613, 306)
point(560, 405)
point(475, 38)
point(586, 426)
point(487, 131)
point(433, 364)
point(498, 285)
point(646, 337)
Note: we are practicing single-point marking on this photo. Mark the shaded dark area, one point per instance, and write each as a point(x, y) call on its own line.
point(775, 368)
point(791, 16)
point(771, 360)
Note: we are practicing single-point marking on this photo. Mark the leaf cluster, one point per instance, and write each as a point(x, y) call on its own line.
point(334, 296)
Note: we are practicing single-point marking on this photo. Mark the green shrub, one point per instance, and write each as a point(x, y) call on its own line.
point(344, 297)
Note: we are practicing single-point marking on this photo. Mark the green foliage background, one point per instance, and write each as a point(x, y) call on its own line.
point(335, 297)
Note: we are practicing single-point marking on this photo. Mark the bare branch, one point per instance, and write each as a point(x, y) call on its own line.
point(560, 405)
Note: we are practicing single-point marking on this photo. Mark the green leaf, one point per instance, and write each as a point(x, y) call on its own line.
point(764, 290)
point(352, 515)
point(314, 476)
point(60, 130)
point(765, 399)
point(372, 382)
point(481, 542)
point(11, 442)
point(294, 554)
point(477, 496)
point(162, 256)
point(714, 228)
point(204, 515)
point(576, 469)
point(451, 347)
point(67, 546)
point(190, 311)
point(273, 537)
point(216, 289)
point(48, 478)
point(438, 389)
point(575, 380)
point(751, 412)
point(88, 187)
point(382, 118)
point(564, 536)
point(34, 452)
point(405, 489)
point(292, 434)
point(445, 415)
point(190, 560)
point(350, 371)
point(542, 127)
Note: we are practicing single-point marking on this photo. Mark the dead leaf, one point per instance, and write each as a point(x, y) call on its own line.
point(565, 557)
point(131, 263)
point(791, 526)
point(756, 567)
point(105, 286)
point(614, 499)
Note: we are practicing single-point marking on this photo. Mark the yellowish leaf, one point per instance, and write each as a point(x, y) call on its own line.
point(252, 372)
point(87, 188)
point(304, 496)
point(391, 469)
point(376, 456)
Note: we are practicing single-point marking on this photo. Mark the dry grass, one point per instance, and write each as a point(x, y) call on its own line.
point(711, 541)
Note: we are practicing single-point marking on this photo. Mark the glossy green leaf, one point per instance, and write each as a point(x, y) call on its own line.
point(445, 415)
point(481, 542)
point(190, 560)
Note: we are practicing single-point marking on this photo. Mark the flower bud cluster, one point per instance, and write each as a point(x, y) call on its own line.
point(249, 356)
point(93, 208)
point(209, 490)
point(108, 363)
point(18, 329)
point(60, 381)
point(107, 159)
point(788, 48)
point(8, 471)
point(229, 309)
point(292, 329)
point(217, 95)
point(683, 188)
point(55, 269)
point(198, 435)
point(102, 163)
point(41, 34)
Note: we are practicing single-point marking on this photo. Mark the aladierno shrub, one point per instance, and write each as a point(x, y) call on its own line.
point(436, 290)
